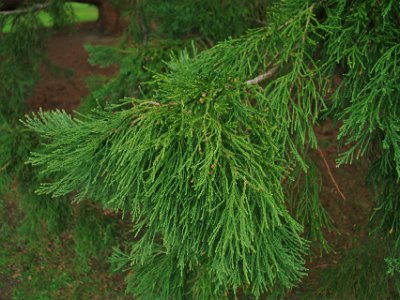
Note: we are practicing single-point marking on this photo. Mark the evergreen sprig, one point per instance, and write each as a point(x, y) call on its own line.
point(199, 167)
point(196, 174)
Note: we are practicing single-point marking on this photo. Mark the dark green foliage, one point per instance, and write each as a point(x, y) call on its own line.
point(359, 275)
point(366, 46)
point(137, 65)
point(44, 215)
point(21, 53)
point(306, 206)
point(393, 268)
point(94, 233)
point(15, 145)
point(208, 19)
point(46, 268)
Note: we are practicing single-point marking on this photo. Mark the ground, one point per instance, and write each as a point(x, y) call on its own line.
point(52, 274)
point(67, 54)
point(46, 271)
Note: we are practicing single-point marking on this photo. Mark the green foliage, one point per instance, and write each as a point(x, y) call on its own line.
point(204, 164)
point(306, 206)
point(43, 216)
point(367, 100)
point(94, 233)
point(177, 19)
point(206, 148)
point(359, 275)
point(137, 64)
point(22, 52)
point(196, 155)
point(44, 268)
point(59, 15)
point(393, 269)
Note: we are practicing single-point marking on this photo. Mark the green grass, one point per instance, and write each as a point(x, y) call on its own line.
point(82, 12)
point(46, 268)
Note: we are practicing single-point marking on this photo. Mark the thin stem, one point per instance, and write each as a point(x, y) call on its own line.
point(263, 77)
point(24, 10)
point(331, 174)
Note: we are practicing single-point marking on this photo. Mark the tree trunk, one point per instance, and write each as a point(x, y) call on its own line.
point(108, 15)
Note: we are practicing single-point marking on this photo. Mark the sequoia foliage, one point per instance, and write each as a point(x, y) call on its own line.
point(203, 141)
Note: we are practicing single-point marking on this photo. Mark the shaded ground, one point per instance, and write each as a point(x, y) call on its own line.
point(63, 84)
point(46, 268)
point(37, 271)
point(350, 216)
point(65, 89)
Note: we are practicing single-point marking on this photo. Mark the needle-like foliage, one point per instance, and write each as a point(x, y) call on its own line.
point(199, 160)
point(199, 167)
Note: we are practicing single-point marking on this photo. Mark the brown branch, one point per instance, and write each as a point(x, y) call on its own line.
point(330, 174)
point(263, 77)
point(153, 103)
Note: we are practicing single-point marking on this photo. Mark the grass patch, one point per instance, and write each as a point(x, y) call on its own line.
point(84, 12)
point(46, 269)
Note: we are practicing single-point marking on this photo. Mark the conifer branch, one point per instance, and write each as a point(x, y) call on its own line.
point(272, 71)
point(24, 10)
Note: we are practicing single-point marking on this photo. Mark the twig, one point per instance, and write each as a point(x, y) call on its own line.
point(142, 24)
point(4, 166)
point(330, 174)
point(153, 103)
point(263, 77)
point(311, 7)
point(24, 10)
point(272, 71)
point(323, 266)
point(306, 27)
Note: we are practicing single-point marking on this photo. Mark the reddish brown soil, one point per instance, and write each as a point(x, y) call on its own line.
point(350, 215)
point(65, 86)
